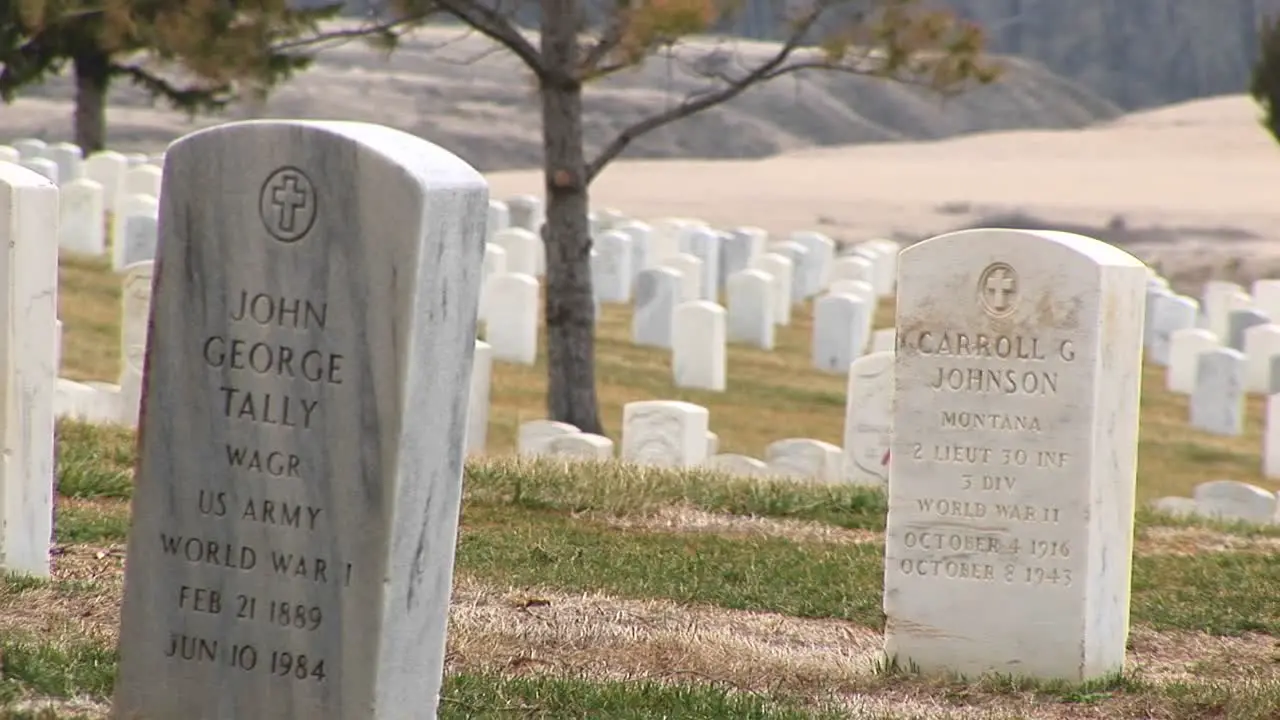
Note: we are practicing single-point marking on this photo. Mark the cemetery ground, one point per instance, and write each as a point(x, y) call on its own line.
point(602, 590)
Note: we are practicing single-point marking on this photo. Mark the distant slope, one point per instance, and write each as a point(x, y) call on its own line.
point(486, 111)
point(1136, 53)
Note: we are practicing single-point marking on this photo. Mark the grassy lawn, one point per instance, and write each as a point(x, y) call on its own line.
point(606, 591)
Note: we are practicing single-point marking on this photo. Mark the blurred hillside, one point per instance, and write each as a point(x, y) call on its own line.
point(480, 104)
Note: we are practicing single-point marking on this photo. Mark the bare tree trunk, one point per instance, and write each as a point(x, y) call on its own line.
point(93, 75)
point(570, 310)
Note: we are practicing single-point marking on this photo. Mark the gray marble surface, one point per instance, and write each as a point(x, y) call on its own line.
point(299, 478)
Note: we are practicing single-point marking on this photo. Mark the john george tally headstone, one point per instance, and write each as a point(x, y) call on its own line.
point(1011, 494)
point(303, 426)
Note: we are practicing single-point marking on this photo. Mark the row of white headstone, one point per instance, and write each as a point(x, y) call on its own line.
point(676, 270)
point(106, 185)
point(1218, 350)
point(675, 434)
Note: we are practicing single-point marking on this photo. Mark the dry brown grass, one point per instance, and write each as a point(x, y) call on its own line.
point(550, 633)
point(1174, 457)
point(89, 307)
point(84, 608)
point(600, 637)
point(56, 709)
point(541, 632)
point(693, 520)
point(1197, 541)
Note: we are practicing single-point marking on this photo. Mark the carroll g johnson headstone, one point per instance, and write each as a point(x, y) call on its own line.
point(303, 425)
point(1011, 494)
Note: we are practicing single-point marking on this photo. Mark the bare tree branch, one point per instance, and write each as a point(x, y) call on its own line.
point(498, 27)
point(732, 88)
point(589, 67)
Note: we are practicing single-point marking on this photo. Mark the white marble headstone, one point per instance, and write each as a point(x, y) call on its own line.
point(690, 269)
point(29, 147)
point(523, 247)
point(580, 446)
point(68, 159)
point(300, 474)
point(82, 227)
point(107, 168)
point(495, 263)
point(1185, 348)
point(1266, 296)
point(499, 218)
point(839, 332)
point(705, 244)
point(611, 272)
point(854, 267)
point(805, 458)
point(478, 398)
point(782, 270)
point(135, 313)
point(1231, 500)
point(698, 346)
point(751, 305)
point(738, 248)
point(42, 166)
point(1172, 313)
point(657, 292)
point(639, 232)
point(28, 226)
point(1217, 402)
point(129, 206)
point(143, 180)
point(868, 420)
point(141, 236)
point(511, 317)
point(664, 433)
point(1261, 347)
point(821, 254)
point(738, 465)
point(1239, 321)
point(526, 211)
point(802, 273)
point(533, 435)
point(1015, 425)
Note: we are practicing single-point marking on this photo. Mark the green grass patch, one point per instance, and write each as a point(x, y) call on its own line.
point(91, 522)
point(94, 461)
point(1222, 593)
point(507, 546)
point(48, 670)
point(474, 697)
point(1147, 517)
point(620, 489)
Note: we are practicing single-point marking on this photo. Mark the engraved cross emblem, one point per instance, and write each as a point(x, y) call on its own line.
point(288, 198)
point(288, 204)
point(998, 289)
